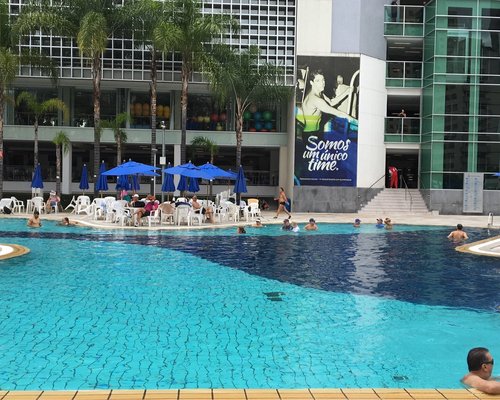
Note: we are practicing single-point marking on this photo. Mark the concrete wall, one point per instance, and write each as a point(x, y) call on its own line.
point(331, 199)
point(450, 201)
point(314, 34)
point(372, 110)
point(358, 27)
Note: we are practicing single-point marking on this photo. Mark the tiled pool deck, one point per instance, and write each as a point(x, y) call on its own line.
point(251, 394)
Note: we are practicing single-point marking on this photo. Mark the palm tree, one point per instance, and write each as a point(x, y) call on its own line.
point(144, 17)
point(62, 142)
point(207, 145)
point(39, 109)
point(91, 23)
point(116, 125)
point(241, 78)
point(190, 33)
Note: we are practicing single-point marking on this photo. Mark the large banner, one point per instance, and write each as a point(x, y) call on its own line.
point(326, 121)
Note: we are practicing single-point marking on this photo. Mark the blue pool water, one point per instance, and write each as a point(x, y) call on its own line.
point(335, 308)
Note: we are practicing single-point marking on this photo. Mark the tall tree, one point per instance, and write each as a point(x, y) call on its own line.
point(62, 142)
point(119, 133)
point(242, 78)
point(211, 147)
point(145, 16)
point(39, 109)
point(190, 33)
point(91, 23)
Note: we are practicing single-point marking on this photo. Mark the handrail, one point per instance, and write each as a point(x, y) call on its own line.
point(407, 192)
point(374, 183)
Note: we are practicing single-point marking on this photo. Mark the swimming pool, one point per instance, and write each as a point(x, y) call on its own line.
point(335, 308)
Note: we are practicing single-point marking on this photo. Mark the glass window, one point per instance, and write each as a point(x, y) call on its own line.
point(457, 17)
point(488, 100)
point(25, 116)
point(84, 107)
point(455, 156)
point(260, 118)
point(205, 115)
point(488, 156)
point(140, 110)
point(457, 99)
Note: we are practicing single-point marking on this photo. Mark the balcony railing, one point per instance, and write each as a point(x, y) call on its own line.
point(402, 130)
point(404, 74)
point(404, 21)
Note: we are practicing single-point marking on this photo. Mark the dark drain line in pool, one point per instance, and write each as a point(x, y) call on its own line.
point(274, 296)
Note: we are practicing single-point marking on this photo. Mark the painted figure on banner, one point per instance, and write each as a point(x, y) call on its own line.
point(326, 122)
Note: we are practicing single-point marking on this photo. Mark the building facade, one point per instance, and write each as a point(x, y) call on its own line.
point(415, 86)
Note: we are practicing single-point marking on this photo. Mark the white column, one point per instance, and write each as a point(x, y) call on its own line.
point(66, 169)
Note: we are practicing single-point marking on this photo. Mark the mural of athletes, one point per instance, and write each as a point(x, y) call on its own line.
point(326, 124)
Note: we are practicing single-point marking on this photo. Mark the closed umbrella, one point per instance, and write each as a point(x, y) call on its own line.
point(37, 182)
point(122, 183)
point(135, 183)
point(168, 183)
point(193, 185)
point(84, 180)
point(240, 185)
point(182, 185)
point(102, 181)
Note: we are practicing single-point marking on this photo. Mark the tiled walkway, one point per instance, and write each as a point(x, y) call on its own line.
point(251, 394)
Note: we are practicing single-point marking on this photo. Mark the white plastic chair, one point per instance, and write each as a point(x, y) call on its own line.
point(196, 216)
point(182, 214)
point(6, 202)
point(38, 204)
point(154, 217)
point(166, 213)
point(72, 204)
point(18, 205)
point(83, 205)
point(233, 211)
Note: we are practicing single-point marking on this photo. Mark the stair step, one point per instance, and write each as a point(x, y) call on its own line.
point(396, 201)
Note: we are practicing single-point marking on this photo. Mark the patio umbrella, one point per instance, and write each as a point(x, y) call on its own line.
point(102, 181)
point(84, 180)
point(37, 182)
point(216, 172)
point(193, 185)
point(131, 168)
point(189, 170)
point(182, 185)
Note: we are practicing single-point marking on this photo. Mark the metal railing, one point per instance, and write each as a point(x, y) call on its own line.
point(398, 129)
point(407, 192)
point(404, 74)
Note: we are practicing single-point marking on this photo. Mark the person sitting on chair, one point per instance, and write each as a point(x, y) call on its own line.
point(197, 207)
point(52, 202)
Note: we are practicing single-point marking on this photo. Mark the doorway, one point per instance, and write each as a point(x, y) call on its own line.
point(407, 165)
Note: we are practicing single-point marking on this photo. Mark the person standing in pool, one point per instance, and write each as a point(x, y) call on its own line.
point(458, 234)
point(34, 221)
point(480, 364)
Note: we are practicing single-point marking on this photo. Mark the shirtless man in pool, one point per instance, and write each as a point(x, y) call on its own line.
point(480, 363)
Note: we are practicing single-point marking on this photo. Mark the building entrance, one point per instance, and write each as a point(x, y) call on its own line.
point(407, 166)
